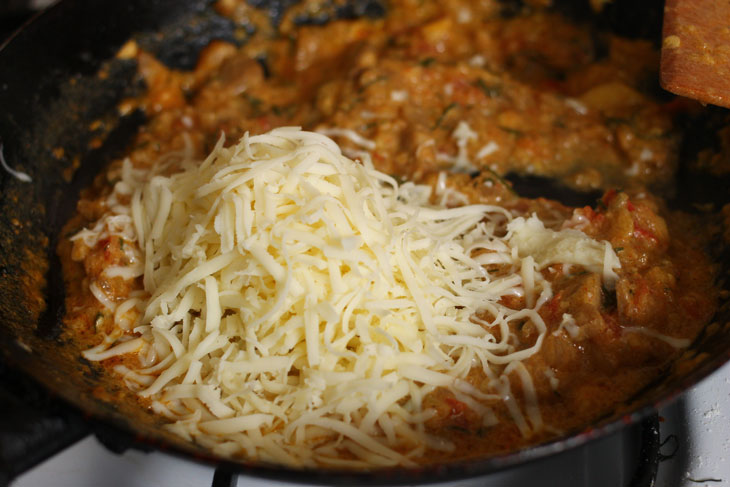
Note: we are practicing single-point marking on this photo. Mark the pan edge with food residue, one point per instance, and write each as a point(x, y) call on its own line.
point(486, 100)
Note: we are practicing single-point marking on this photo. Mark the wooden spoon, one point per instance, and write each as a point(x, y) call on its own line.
point(695, 58)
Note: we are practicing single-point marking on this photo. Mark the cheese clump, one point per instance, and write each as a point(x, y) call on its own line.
point(298, 306)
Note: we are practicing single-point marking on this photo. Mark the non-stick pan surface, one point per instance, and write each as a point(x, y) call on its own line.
point(51, 92)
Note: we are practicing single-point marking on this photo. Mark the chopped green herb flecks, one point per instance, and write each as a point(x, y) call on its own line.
point(444, 113)
point(491, 91)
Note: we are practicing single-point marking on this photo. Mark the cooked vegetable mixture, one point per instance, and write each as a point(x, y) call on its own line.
point(449, 97)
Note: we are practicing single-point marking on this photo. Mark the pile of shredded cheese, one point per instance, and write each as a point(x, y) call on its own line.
point(299, 306)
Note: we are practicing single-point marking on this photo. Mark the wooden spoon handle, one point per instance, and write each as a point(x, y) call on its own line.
point(695, 58)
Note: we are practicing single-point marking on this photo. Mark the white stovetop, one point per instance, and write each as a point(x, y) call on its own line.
point(700, 419)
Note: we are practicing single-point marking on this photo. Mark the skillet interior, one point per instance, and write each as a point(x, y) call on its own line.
point(56, 111)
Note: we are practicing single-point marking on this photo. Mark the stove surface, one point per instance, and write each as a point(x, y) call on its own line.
point(700, 422)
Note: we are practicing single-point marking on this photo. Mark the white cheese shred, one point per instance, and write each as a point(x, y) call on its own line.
point(19, 175)
point(299, 306)
point(673, 341)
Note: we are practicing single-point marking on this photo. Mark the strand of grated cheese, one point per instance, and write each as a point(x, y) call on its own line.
point(299, 306)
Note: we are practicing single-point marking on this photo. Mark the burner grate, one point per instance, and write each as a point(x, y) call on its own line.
point(34, 425)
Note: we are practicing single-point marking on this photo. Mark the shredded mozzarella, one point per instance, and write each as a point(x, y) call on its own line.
point(569, 325)
point(298, 306)
point(349, 134)
point(673, 341)
point(488, 149)
point(462, 134)
point(567, 246)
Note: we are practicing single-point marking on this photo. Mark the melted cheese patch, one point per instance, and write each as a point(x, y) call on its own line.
point(299, 306)
point(567, 246)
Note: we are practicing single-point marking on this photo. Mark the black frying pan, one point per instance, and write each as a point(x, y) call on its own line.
point(50, 93)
